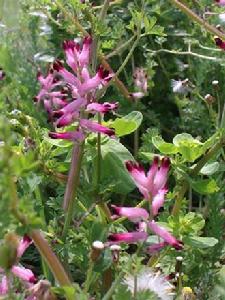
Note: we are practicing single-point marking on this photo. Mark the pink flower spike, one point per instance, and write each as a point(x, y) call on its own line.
point(24, 274)
point(23, 245)
point(69, 135)
point(134, 214)
point(165, 235)
point(4, 286)
point(85, 53)
point(95, 127)
point(219, 42)
point(156, 247)
point(158, 201)
point(127, 237)
point(101, 108)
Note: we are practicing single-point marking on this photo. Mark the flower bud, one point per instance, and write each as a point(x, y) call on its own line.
point(115, 250)
point(215, 83)
point(97, 248)
point(209, 99)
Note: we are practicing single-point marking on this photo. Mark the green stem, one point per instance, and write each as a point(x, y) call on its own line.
point(195, 171)
point(197, 19)
point(73, 178)
point(72, 184)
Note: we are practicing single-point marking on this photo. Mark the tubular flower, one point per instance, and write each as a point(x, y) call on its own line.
point(127, 237)
point(22, 273)
point(153, 185)
point(66, 95)
point(134, 214)
point(165, 235)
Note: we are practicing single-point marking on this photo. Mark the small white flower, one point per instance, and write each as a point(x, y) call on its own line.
point(148, 280)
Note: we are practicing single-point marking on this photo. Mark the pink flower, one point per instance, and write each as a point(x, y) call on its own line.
point(95, 127)
point(127, 237)
point(219, 42)
point(69, 135)
point(75, 56)
point(152, 185)
point(101, 108)
point(165, 235)
point(134, 214)
point(19, 271)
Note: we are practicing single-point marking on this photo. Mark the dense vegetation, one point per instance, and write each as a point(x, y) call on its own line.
point(112, 149)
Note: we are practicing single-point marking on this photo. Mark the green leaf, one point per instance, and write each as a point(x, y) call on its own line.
point(210, 168)
point(114, 155)
point(162, 146)
point(200, 242)
point(127, 124)
point(188, 147)
point(205, 186)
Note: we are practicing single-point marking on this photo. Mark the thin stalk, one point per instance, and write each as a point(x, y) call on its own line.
point(40, 242)
point(195, 171)
point(72, 185)
point(73, 178)
point(50, 257)
point(197, 19)
point(121, 48)
point(110, 292)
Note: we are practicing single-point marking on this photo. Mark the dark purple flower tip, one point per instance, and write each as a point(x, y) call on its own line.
point(109, 131)
point(53, 135)
point(57, 114)
point(218, 41)
point(33, 279)
point(179, 245)
point(69, 44)
point(103, 74)
point(27, 239)
point(113, 237)
point(115, 209)
point(39, 74)
point(87, 40)
point(35, 98)
point(57, 65)
point(130, 165)
point(165, 162)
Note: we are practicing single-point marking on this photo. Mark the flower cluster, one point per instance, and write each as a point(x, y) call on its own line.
point(69, 97)
point(153, 187)
point(26, 275)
